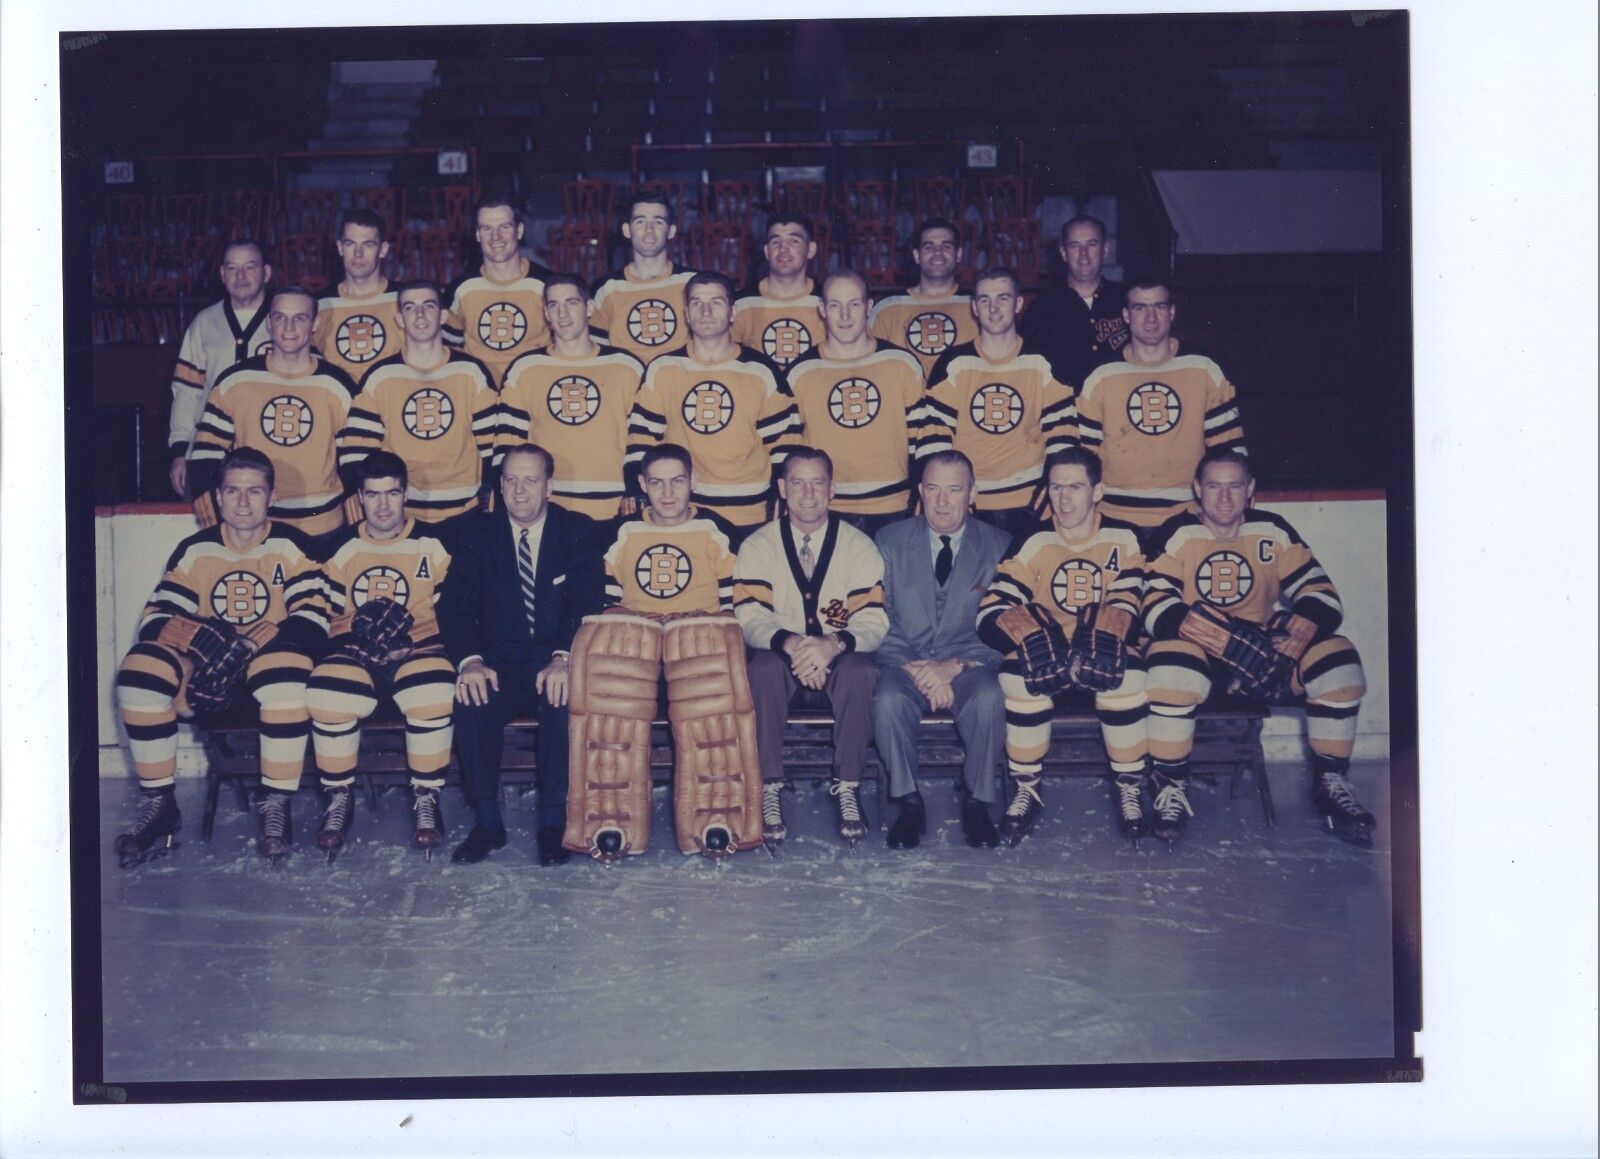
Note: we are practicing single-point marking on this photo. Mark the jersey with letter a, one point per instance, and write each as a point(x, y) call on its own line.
point(1244, 577)
point(577, 409)
point(781, 328)
point(1150, 425)
point(1105, 568)
point(1004, 416)
point(355, 334)
point(407, 569)
point(863, 413)
point(645, 318)
point(686, 568)
point(441, 422)
point(274, 582)
point(927, 327)
point(294, 422)
point(496, 321)
point(736, 418)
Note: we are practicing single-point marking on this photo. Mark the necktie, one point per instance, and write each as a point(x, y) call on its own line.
point(808, 561)
point(525, 573)
point(944, 561)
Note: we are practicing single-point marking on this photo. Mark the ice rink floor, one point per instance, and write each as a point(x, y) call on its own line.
point(1246, 942)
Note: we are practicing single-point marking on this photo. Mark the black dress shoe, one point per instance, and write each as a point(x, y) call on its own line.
point(478, 845)
point(977, 824)
point(910, 825)
point(550, 849)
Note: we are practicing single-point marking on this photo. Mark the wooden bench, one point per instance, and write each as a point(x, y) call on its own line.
point(1227, 742)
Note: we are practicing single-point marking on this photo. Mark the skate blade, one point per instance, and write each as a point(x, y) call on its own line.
point(154, 853)
point(333, 854)
point(1362, 838)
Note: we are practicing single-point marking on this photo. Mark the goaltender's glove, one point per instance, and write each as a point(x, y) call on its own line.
point(1098, 653)
point(377, 630)
point(1260, 670)
point(1043, 651)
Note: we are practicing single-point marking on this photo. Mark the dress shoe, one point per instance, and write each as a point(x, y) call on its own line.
point(910, 825)
point(977, 825)
point(478, 845)
point(550, 850)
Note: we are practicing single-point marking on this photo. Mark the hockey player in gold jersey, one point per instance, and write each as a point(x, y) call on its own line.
point(1078, 578)
point(433, 406)
point(237, 616)
point(930, 317)
point(729, 405)
point(998, 402)
point(1153, 413)
point(574, 397)
point(859, 398)
point(355, 319)
point(288, 404)
point(383, 579)
point(640, 308)
point(781, 316)
point(1235, 597)
point(497, 312)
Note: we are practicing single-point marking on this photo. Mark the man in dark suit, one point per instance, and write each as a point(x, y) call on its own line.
point(937, 566)
point(521, 579)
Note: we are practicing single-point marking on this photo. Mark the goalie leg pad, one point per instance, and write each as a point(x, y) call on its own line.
point(717, 770)
point(148, 684)
point(616, 660)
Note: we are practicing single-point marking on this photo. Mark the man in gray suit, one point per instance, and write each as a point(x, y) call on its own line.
point(936, 568)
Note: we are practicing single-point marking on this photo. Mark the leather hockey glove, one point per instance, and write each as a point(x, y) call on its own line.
point(1043, 651)
point(1260, 671)
point(1099, 654)
point(203, 641)
point(378, 629)
point(214, 682)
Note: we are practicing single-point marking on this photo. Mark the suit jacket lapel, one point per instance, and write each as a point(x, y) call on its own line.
point(920, 565)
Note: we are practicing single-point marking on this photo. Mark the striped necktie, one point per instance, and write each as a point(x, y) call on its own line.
point(808, 560)
point(525, 574)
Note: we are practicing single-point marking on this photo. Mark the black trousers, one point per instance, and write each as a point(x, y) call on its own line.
point(481, 734)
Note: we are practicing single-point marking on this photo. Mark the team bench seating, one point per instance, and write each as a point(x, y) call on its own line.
point(1227, 742)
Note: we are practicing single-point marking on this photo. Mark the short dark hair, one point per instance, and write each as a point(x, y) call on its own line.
point(291, 288)
point(947, 458)
point(645, 198)
point(995, 273)
point(496, 201)
point(1082, 219)
point(544, 456)
point(237, 242)
point(1146, 281)
point(1224, 455)
point(805, 223)
point(247, 459)
point(418, 284)
point(380, 465)
point(934, 223)
point(573, 280)
point(664, 451)
point(1074, 457)
point(371, 219)
point(807, 455)
point(710, 278)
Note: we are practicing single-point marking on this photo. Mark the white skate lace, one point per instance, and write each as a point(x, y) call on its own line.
point(1170, 801)
point(1339, 792)
point(427, 807)
point(338, 815)
point(771, 805)
point(1026, 794)
point(275, 815)
point(849, 805)
point(1128, 798)
point(148, 813)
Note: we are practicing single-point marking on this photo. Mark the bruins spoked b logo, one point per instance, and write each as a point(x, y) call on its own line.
point(785, 339)
point(1076, 584)
point(360, 338)
point(996, 408)
point(1224, 579)
point(573, 400)
point(428, 413)
point(1154, 408)
point(663, 571)
point(931, 333)
point(854, 402)
point(708, 407)
point(652, 322)
point(379, 583)
point(240, 598)
point(502, 325)
point(286, 420)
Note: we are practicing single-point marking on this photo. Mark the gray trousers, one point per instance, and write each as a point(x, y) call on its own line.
point(980, 715)
point(849, 692)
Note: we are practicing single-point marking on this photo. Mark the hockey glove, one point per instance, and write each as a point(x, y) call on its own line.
point(377, 630)
point(1042, 648)
point(1260, 671)
point(203, 641)
point(1291, 634)
point(1099, 654)
point(214, 682)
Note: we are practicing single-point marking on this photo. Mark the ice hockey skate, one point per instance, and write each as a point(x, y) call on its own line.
point(1343, 813)
point(153, 833)
point(1026, 807)
point(1127, 798)
point(336, 821)
point(276, 827)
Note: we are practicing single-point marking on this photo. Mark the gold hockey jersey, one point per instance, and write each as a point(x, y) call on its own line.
point(645, 318)
point(441, 422)
point(496, 321)
point(781, 328)
point(1106, 568)
point(407, 569)
point(864, 414)
point(577, 409)
point(687, 568)
point(1004, 416)
point(355, 334)
point(736, 418)
point(928, 327)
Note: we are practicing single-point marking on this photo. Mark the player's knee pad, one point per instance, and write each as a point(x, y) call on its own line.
point(717, 772)
point(616, 660)
point(277, 681)
point(339, 691)
point(424, 687)
point(1178, 674)
point(149, 679)
point(1330, 672)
